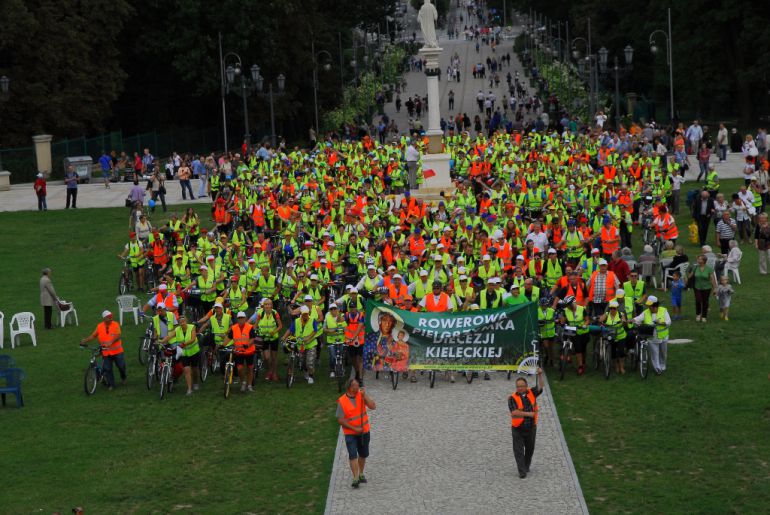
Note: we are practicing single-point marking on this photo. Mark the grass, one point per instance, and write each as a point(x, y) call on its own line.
point(126, 451)
point(693, 440)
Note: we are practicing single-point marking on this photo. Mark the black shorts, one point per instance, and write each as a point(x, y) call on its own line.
point(619, 348)
point(270, 345)
point(354, 351)
point(244, 359)
point(358, 446)
point(579, 343)
point(191, 361)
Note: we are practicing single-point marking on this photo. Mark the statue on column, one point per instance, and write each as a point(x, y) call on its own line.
point(427, 17)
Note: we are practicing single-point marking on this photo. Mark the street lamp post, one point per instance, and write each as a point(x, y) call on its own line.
point(582, 64)
point(327, 66)
point(669, 61)
point(628, 54)
point(231, 72)
point(5, 84)
point(270, 95)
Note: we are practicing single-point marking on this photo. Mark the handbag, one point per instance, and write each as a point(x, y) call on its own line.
point(162, 190)
point(128, 202)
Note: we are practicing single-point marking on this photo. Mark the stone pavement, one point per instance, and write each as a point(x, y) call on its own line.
point(22, 197)
point(448, 450)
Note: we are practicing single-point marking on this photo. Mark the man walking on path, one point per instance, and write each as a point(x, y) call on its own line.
point(412, 156)
point(71, 180)
point(352, 416)
point(523, 407)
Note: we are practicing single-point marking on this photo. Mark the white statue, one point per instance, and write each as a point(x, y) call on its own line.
point(427, 17)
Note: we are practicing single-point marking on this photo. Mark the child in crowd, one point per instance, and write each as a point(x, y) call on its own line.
point(724, 295)
point(677, 290)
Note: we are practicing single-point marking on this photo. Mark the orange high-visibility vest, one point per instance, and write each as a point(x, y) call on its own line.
point(397, 295)
point(167, 301)
point(612, 234)
point(669, 231)
point(258, 215)
point(159, 255)
point(416, 246)
point(353, 322)
point(517, 421)
point(104, 333)
point(609, 286)
point(354, 414)
point(433, 306)
point(221, 216)
point(242, 340)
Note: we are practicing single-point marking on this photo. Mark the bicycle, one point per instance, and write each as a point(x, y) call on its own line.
point(339, 364)
point(145, 342)
point(203, 365)
point(229, 368)
point(151, 373)
point(166, 373)
point(94, 374)
point(258, 362)
point(291, 346)
point(642, 349)
point(567, 348)
point(604, 348)
point(126, 281)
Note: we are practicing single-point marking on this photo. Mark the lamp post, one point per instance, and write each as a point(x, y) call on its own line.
point(628, 54)
point(586, 67)
point(5, 84)
point(669, 60)
point(270, 95)
point(231, 72)
point(327, 66)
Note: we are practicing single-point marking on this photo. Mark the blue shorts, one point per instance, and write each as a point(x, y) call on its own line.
point(105, 173)
point(676, 301)
point(358, 446)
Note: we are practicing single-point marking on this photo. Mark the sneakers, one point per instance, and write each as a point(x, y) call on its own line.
point(355, 483)
point(243, 387)
point(703, 320)
point(486, 376)
point(331, 375)
point(310, 380)
point(362, 479)
point(250, 388)
point(196, 387)
point(697, 318)
point(189, 392)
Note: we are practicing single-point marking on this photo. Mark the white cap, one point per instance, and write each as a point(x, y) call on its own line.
point(391, 267)
point(323, 260)
point(203, 267)
point(332, 244)
point(552, 251)
point(308, 297)
point(463, 277)
point(652, 299)
point(474, 307)
point(218, 305)
point(162, 287)
point(304, 309)
point(241, 314)
point(613, 304)
point(210, 258)
point(437, 257)
point(397, 276)
point(423, 273)
point(371, 267)
point(498, 234)
point(106, 313)
point(515, 286)
point(354, 290)
point(433, 241)
point(251, 260)
point(594, 250)
point(348, 287)
point(461, 258)
point(602, 261)
point(620, 292)
point(360, 254)
point(313, 277)
point(447, 229)
point(486, 257)
point(520, 257)
point(440, 246)
point(461, 270)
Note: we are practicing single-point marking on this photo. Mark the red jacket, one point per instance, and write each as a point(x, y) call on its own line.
point(40, 186)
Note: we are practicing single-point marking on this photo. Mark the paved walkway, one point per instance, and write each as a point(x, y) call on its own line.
point(448, 450)
point(22, 197)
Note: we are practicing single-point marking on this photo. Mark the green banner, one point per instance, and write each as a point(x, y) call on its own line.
point(492, 339)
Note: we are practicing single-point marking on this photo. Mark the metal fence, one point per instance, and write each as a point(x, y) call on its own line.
point(22, 164)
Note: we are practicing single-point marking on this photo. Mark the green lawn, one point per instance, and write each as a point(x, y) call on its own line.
point(127, 451)
point(693, 440)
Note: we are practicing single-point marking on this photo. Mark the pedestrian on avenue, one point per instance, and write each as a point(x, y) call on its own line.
point(71, 179)
point(47, 297)
point(523, 407)
point(184, 173)
point(353, 417)
point(158, 188)
point(412, 156)
point(105, 162)
point(40, 192)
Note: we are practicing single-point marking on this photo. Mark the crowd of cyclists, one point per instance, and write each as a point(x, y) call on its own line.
point(296, 241)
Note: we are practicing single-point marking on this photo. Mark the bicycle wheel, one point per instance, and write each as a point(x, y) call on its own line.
point(213, 363)
point(339, 374)
point(90, 380)
point(150, 372)
point(144, 349)
point(257, 366)
point(228, 378)
point(123, 285)
point(394, 379)
point(597, 353)
point(164, 380)
point(562, 362)
point(432, 377)
point(644, 360)
point(204, 367)
point(607, 359)
point(469, 376)
point(290, 372)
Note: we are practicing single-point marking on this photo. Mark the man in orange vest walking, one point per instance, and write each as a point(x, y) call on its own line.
point(108, 335)
point(523, 407)
point(353, 417)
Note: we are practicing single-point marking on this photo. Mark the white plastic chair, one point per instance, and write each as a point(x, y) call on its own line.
point(65, 314)
point(648, 271)
point(728, 268)
point(25, 324)
point(681, 268)
point(2, 328)
point(128, 304)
